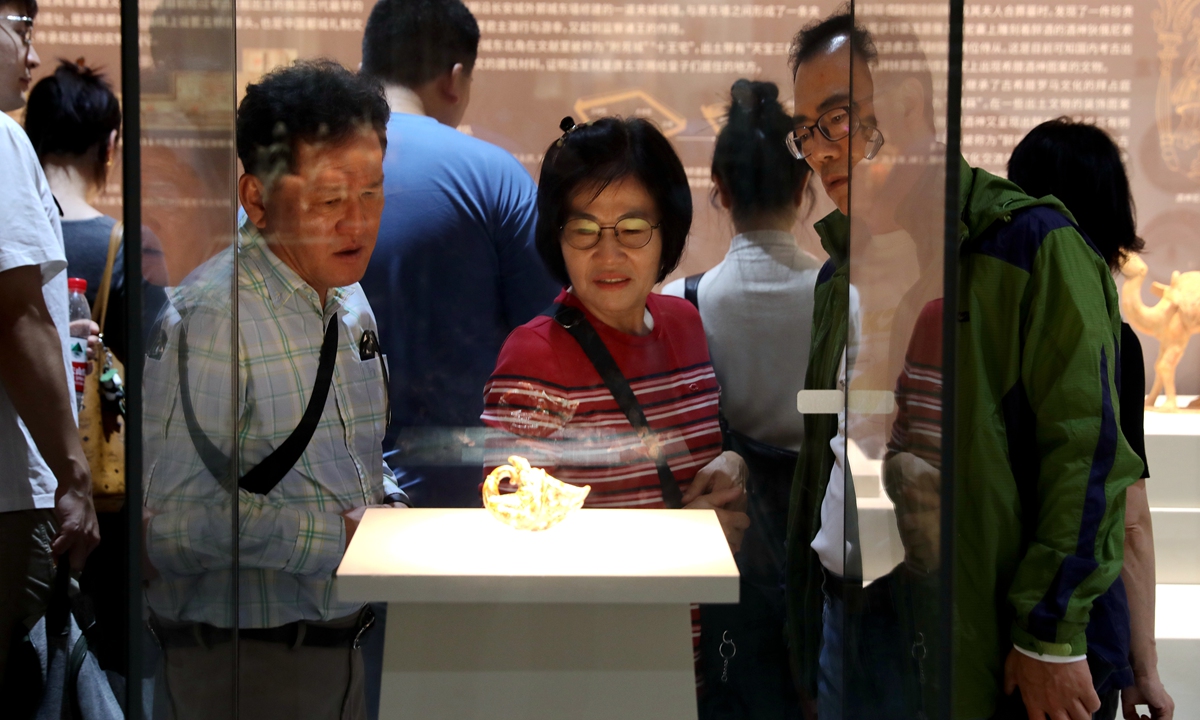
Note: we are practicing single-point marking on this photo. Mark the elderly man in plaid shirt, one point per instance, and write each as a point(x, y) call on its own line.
point(291, 379)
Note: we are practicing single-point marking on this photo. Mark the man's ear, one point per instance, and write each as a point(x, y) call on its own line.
point(250, 195)
point(454, 84)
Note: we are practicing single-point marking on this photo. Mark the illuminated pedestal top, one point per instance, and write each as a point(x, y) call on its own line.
point(593, 556)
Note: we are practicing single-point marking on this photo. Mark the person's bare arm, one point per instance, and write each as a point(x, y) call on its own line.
point(31, 369)
point(1138, 574)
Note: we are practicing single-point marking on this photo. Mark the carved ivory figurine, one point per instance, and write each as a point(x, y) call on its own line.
point(1172, 320)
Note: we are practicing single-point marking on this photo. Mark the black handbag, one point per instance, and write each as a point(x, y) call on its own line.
point(744, 646)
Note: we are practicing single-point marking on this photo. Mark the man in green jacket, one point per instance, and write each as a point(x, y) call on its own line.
point(1041, 465)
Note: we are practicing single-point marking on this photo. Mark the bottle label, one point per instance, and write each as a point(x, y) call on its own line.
point(77, 348)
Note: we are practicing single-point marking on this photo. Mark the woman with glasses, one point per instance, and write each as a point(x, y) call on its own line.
point(614, 209)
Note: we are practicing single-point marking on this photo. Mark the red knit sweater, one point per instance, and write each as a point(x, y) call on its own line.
point(545, 389)
point(918, 426)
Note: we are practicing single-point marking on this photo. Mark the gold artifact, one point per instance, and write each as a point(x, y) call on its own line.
point(540, 500)
point(1172, 320)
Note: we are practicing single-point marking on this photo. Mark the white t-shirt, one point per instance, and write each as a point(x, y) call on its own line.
point(757, 307)
point(831, 544)
point(30, 234)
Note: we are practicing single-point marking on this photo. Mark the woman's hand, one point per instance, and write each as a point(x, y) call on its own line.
point(915, 487)
point(727, 470)
point(733, 522)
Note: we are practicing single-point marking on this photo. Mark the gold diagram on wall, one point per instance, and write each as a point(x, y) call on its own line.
point(632, 103)
point(257, 62)
point(1177, 103)
point(715, 115)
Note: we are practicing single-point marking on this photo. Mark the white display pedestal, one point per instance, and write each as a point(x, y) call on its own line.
point(1173, 452)
point(587, 620)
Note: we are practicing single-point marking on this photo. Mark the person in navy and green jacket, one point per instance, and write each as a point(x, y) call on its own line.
point(1041, 466)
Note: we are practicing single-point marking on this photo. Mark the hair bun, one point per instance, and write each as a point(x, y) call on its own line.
point(752, 95)
point(566, 124)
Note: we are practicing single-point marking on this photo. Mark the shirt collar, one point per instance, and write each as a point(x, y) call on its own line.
point(762, 238)
point(280, 281)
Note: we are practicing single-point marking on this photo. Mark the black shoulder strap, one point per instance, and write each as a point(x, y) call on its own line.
point(263, 477)
point(576, 323)
point(691, 289)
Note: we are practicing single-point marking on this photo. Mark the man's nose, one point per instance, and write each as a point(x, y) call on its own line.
point(355, 220)
point(825, 149)
point(32, 60)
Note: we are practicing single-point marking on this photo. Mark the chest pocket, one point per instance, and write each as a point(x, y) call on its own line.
point(363, 401)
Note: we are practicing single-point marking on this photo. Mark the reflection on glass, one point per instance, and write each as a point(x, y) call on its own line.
point(187, 172)
point(863, 601)
point(455, 269)
point(292, 359)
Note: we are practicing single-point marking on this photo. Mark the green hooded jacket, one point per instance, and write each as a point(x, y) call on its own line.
point(1041, 465)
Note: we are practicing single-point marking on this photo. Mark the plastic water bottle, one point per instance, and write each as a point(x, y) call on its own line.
point(77, 345)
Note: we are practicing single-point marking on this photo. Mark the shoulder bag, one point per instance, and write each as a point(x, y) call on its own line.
point(102, 415)
point(744, 656)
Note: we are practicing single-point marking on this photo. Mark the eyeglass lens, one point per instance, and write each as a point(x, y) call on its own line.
point(26, 33)
point(835, 125)
point(583, 234)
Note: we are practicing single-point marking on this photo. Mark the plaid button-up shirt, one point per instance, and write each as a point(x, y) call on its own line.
point(290, 541)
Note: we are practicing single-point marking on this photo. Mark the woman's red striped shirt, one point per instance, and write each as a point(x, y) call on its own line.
point(545, 389)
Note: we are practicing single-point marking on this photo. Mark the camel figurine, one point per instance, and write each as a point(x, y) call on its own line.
point(1172, 320)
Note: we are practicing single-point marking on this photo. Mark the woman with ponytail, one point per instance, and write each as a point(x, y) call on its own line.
point(73, 120)
point(756, 306)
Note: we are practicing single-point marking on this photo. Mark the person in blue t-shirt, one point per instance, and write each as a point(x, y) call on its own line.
point(455, 268)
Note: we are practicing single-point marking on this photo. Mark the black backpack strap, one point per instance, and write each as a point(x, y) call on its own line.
point(691, 289)
point(263, 477)
point(576, 323)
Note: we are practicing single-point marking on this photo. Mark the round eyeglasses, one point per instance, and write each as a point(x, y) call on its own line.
point(26, 35)
point(633, 233)
point(836, 124)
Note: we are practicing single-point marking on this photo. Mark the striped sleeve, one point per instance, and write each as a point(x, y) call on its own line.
point(918, 425)
point(566, 421)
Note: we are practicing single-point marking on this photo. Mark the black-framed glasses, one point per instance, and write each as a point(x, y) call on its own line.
point(27, 36)
point(836, 124)
point(632, 232)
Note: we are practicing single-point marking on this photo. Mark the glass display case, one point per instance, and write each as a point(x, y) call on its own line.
point(816, 341)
